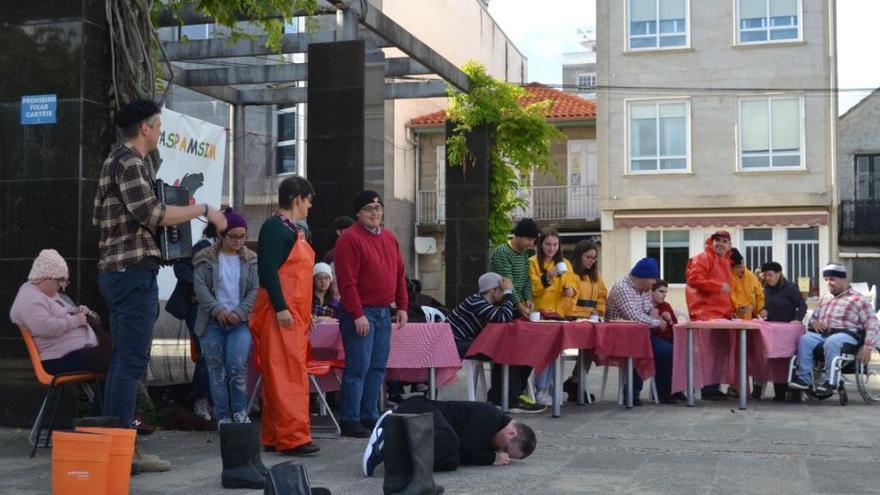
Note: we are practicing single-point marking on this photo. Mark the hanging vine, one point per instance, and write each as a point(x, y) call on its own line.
point(520, 137)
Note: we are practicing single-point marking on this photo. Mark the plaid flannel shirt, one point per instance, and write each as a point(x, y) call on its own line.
point(848, 310)
point(627, 303)
point(127, 215)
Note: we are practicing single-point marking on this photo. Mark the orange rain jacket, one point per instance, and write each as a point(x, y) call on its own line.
point(705, 274)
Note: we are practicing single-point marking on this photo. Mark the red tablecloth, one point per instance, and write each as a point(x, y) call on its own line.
point(770, 348)
point(414, 349)
point(618, 340)
point(537, 344)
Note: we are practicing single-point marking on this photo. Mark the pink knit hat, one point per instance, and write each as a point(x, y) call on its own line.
point(49, 264)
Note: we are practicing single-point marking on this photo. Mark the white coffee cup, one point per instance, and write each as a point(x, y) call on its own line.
point(594, 318)
point(535, 316)
point(561, 268)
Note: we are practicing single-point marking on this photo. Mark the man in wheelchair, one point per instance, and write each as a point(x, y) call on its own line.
point(843, 317)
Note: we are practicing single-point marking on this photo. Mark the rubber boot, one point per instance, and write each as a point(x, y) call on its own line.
point(97, 422)
point(420, 440)
point(254, 452)
point(290, 478)
point(235, 449)
point(395, 455)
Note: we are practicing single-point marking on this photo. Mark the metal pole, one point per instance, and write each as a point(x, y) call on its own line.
point(557, 387)
point(582, 377)
point(238, 168)
point(743, 373)
point(690, 384)
point(505, 387)
point(432, 383)
point(629, 383)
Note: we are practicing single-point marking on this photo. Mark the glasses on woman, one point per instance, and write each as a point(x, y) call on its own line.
point(236, 237)
point(372, 209)
point(62, 282)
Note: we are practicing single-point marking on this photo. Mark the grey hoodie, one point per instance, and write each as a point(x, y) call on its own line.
point(206, 279)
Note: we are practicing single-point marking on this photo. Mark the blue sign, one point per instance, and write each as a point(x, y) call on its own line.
point(38, 109)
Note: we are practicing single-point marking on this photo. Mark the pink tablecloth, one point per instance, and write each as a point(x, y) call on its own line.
point(534, 344)
point(414, 349)
point(770, 348)
point(618, 340)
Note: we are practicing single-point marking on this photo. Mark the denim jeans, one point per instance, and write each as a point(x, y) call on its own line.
point(365, 360)
point(133, 300)
point(200, 387)
point(662, 368)
point(831, 346)
point(226, 352)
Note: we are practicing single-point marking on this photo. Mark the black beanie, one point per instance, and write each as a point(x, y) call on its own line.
point(136, 111)
point(364, 198)
point(771, 266)
point(736, 258)
point(526, 228)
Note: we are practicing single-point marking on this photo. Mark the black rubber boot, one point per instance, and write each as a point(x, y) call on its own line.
point(254, 451)
point(97, 422)
point(395, 455)
point(235, 449)
point(420, 440)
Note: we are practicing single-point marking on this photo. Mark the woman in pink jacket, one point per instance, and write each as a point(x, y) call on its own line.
point(61, 332)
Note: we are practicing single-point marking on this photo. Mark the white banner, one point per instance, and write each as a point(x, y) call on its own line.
point(193, 155)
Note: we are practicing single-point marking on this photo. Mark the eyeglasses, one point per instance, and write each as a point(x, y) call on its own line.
point(62, 282)
point(236, 237)
point(372, 209)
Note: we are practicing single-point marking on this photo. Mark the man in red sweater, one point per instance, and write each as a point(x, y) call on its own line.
point(370, 276)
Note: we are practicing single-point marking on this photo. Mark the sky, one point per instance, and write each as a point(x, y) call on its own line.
point(546, 30)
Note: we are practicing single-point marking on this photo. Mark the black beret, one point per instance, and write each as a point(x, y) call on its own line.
point(135, 112)
point(364, 198)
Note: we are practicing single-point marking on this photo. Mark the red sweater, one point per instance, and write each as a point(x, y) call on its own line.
point(369, 270)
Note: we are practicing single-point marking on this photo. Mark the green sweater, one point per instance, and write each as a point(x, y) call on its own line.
point(275, 242)
point(515, 266)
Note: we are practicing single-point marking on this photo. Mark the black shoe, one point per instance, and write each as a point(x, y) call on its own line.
point(373, 452)
point(825, 388)
point(369, 423)
point(757, 390)
point(679, 397)
point(794, 396)
point(732, 392)
point(355, 430)
point(307, 449)
point(269, 448)
point(714, 395)
point(798, 384)
point(780, 398)
point(522, 407)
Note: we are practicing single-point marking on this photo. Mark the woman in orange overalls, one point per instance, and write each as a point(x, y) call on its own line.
point(281, 321)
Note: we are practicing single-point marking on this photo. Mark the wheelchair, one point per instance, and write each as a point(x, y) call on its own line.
point(845, 369)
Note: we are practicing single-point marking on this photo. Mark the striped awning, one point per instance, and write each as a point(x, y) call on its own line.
point(810, 218)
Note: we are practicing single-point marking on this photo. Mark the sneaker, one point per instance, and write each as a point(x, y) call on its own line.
point(543, 398)
point(354, 429)
point(798, 384)
point(147, 463)
point(200, 409)
point(825, 388)
point(526, 408)
point(527, 399)
point(714, 395)
point(307, 449)
point(373, 452)
point(732, 392)
point(241, 417)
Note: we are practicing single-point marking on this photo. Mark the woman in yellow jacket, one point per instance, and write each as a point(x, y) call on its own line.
point(746, 292)
point(592, 294)
point(553, 290)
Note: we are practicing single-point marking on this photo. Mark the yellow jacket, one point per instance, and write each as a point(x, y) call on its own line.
point(746, 291)
point(551, 298)
point(591, 297)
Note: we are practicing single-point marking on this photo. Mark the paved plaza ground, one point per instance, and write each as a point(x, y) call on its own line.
point(712, 448)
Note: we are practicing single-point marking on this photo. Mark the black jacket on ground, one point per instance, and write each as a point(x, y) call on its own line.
point(784, 302)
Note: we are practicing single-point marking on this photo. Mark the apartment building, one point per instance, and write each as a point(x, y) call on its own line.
point(579, 67)
point(716, 114)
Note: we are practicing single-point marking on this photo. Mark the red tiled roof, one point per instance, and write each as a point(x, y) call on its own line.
point(566, 106)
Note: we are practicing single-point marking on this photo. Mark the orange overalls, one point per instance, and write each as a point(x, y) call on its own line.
point(283, 352)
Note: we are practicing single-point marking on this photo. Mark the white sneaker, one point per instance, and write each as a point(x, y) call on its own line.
point(241, 417)
point(200, 409)
point(543, 398)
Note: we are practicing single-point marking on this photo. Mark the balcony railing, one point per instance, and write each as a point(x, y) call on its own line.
point(545, 203)
point(859, 221)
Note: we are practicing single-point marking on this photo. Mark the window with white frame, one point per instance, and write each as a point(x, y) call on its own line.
point(586, 81)
point(802, 255)
point(671, 249)
point(758, 246)
point(762, 21)
point(657, 24)
point(285, 149)
point(659, 135)
point(867, 177)
point(771, 133)
point(441, 183)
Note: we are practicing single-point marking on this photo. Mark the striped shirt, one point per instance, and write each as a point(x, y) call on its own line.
point(126, 211)
point(468, 318)
point(848, 310)
point(625, 302)
point(514, 265)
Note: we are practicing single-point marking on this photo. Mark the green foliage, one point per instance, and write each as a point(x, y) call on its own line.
point(264, 12)
point(520, 137)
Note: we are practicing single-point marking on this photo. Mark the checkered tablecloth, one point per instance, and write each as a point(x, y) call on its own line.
point(414, 349)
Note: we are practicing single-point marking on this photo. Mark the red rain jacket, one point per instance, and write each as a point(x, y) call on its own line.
point(705, 274)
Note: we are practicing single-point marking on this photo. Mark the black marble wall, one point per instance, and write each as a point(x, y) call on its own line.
point(48, 172)
point(336, 134)
point(467, 214)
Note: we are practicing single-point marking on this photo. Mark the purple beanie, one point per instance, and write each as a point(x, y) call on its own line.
point(234, 219)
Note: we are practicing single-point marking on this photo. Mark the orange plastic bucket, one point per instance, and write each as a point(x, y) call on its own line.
point(80, 463)
point(121, 452)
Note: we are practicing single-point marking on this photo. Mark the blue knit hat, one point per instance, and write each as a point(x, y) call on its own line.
point(646, 268)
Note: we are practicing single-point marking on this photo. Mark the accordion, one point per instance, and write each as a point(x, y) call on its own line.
point(175, 241)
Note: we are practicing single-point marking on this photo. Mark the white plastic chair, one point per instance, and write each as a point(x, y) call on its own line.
point(471, 369)
point(433, 315)
point(621, 386)
point(868, 291)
